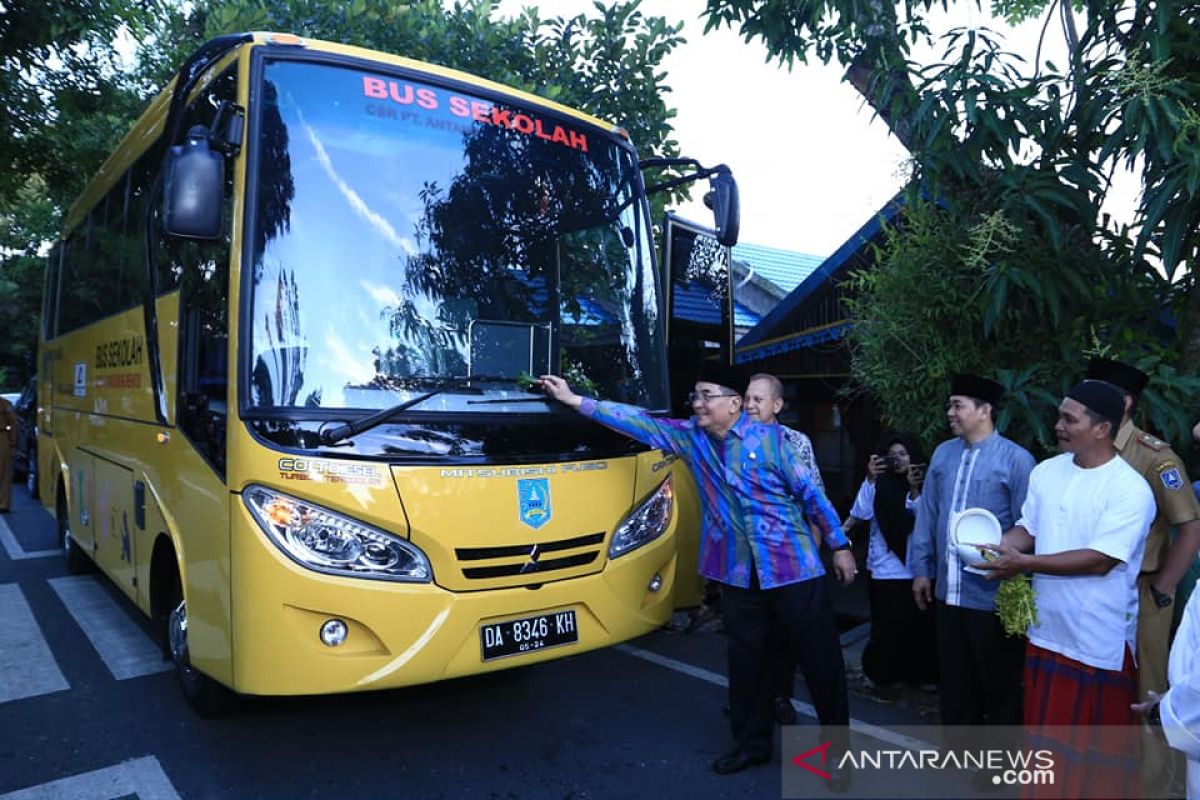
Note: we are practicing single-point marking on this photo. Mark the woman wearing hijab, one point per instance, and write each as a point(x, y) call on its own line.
point(901, 647)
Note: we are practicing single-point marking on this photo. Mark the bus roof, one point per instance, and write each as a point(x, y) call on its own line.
point(149, 125)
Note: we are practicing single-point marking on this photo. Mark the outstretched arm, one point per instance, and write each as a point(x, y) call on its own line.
point(557, 388)
point(668, 435)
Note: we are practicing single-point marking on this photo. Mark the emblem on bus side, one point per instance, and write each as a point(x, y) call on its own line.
point(533, 496)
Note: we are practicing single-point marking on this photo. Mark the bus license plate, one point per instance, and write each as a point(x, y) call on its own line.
point(517, 636)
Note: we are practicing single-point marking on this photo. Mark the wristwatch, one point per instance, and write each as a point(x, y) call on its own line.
point(1161, 599)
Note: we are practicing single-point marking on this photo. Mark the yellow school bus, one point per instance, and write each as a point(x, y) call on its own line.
point(285, 365)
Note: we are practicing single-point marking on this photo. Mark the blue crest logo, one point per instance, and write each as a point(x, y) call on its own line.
point(1171, 479)
point(534, 497)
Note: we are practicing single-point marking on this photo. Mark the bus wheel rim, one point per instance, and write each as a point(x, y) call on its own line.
point(178, 637)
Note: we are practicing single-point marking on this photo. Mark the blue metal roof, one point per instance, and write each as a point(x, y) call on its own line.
point(765, 329)
point(590, 313)
point(694, 302)
point(786, 344)
point(784, 268)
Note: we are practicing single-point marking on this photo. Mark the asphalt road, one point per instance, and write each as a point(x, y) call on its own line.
point(89, 711)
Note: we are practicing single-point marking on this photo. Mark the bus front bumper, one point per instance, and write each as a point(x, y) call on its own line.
point(400, 634)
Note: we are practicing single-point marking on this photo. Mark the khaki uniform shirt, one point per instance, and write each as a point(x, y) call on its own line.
point(1163, 470)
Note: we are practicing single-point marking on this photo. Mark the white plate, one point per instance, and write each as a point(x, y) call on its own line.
point(969, 529)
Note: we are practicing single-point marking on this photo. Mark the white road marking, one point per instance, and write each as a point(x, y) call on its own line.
point(14, 549)
point(27, 667)
point(856, 725)
point(143, 777)
point(124, 647)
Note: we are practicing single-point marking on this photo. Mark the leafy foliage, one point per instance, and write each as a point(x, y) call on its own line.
point(59, 65)
point(54, 53)
point(1016, 605)
point(1004, 262)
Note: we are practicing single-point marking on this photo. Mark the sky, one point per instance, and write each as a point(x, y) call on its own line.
point(812, 162)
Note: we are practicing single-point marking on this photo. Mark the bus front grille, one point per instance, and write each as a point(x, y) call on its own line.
point(532, 557)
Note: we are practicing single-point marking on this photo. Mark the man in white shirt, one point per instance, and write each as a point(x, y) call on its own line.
point(1085, 519)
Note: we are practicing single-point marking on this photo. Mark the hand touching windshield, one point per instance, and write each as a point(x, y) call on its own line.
point(557, 388)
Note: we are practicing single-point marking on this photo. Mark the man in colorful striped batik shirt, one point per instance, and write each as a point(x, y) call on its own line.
point(755, 541)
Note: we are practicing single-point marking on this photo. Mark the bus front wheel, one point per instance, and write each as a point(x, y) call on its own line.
point(207, 697)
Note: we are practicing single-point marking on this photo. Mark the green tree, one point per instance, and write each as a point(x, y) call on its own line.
point(59, 66)
point(48, 47)
point(1003, 261)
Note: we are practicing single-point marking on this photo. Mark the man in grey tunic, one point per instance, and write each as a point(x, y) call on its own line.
point(980, 667)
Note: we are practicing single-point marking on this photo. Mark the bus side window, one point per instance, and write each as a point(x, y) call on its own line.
point(83, 300)
point(50, 293)
point(201, 269)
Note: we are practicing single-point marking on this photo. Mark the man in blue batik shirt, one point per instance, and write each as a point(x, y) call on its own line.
point(754, 540)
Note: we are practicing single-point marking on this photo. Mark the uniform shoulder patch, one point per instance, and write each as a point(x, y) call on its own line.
point(1158, 445)
point(1171, 479)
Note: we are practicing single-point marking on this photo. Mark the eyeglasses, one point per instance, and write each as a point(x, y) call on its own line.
point(708, 397)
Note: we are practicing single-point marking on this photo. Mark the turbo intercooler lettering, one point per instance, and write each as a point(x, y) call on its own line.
point(303, 469)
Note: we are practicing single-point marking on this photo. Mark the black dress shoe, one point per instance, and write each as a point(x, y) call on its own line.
point(839, 780)
point(785, 713)
point(737, 760)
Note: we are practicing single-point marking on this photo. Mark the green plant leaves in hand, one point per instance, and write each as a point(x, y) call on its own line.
point(1016, 605)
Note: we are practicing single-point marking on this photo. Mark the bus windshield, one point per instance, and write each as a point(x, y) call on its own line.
point(405, 233)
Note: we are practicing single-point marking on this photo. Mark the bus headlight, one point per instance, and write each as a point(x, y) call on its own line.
point(647, 522)
point(326, 541)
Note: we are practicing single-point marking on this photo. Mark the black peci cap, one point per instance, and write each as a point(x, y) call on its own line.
point(722, 374)
point(1101, 398)
point(1126, 377)
point(984, 389)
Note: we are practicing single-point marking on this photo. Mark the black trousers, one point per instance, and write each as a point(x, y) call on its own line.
point(798, 617)
point(980, 668)
point(902, 646)
point(781, 668)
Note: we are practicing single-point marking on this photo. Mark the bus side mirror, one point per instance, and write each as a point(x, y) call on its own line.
point(722, 198)
point(192, 188)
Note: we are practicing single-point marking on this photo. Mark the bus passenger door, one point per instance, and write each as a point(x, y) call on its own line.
point(113, 523)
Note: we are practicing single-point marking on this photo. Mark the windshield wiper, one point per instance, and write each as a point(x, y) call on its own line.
point(336, 434)
point(494, 401)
